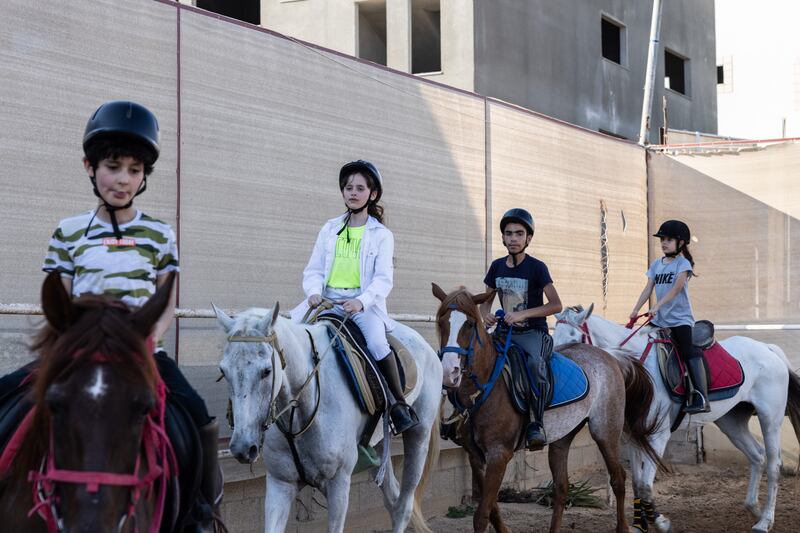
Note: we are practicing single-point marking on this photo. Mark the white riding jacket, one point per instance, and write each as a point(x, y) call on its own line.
point(377, 268)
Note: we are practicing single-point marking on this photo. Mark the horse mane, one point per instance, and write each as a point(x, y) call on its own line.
point(101, 332)
point(460, 299)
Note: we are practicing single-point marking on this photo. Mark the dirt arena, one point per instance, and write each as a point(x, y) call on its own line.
point(696, 498)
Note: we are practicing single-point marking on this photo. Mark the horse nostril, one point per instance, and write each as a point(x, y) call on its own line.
point(253, 452)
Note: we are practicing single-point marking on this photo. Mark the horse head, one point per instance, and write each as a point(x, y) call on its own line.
point(571, 325)
point(459, 323)
point(95, 390)
point(252, 364)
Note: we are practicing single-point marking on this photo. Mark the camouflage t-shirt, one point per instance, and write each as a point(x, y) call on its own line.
point(99, 263)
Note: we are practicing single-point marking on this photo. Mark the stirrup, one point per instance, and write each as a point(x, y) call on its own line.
point(696, 407)
point(402, 417)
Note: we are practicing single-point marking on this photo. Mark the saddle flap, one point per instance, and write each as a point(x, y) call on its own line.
point(350, 345)
point(406, 363)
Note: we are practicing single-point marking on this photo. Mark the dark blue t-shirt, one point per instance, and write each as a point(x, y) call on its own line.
point(520, 288)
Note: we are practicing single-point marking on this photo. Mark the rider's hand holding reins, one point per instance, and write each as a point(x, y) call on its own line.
point(489, 319)
point(314, 300)
point(514, 317)
point(352, 306)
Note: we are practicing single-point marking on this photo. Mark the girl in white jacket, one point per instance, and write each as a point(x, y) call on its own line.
point(352, 263)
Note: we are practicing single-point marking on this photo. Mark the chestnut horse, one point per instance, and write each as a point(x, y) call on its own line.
point(494, 432)
point(94, 455)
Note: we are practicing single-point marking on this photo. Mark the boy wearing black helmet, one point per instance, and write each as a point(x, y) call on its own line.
point(522, 282)
point(117, 250)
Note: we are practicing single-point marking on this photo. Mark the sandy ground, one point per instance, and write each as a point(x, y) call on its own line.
point(696, 498)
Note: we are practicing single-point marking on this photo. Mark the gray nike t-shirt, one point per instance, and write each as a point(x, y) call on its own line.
point(678, 311)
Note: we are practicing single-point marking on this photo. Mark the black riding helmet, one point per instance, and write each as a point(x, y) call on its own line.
point(121, 118)
point(124, 121)
point(674, 229)
point(520, 216)
point(363, 166)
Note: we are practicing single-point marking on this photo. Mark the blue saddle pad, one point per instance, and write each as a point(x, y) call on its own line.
point(569, 381)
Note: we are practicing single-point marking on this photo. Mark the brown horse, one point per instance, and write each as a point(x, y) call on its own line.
point(494, 432)
point(95, 456)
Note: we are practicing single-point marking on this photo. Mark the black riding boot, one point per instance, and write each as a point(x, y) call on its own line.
point(402, 415)
point(535, 437)
point(211, 484)
point(698, 401)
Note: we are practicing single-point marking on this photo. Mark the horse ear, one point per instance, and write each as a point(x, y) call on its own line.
point(56, 303)
point(478, 299)
point(589, 311)
point(275, 311)
point(145, 318)
point(224, 320)
point(438, 292)
point(559, 316)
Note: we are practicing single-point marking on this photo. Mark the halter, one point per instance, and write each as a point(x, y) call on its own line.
point(466, 360)
point(157, 449)
point(586, 337)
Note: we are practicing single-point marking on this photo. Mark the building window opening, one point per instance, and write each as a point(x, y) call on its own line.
point(426, 36)
point(675, 72)
point(720, 74)
point(372, 31)
point(244, 10)
point(613, 45)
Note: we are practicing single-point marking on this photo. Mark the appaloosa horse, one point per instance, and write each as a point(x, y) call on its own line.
point(309, 422)
point(618, 399)
point(770, 388)
point(92, 454)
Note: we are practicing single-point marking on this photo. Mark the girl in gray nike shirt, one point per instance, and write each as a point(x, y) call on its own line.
point(670, 276)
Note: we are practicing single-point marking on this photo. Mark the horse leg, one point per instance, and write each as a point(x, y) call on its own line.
point(478, 468)
point(557, 455)
point(278, 501)
point(608, 441)
point(337, 493)
point(643, 472)
point(771, 431)
point(415, 452)
point(496, 462)
point(734, 426)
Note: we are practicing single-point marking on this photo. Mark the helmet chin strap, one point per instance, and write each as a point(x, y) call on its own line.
point(520, 254)
point(350, 213)
point(111, 209)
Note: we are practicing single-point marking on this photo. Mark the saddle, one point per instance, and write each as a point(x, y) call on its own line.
point(366, 381)
point(568, 381)
point(724, 372)
point(182, 507)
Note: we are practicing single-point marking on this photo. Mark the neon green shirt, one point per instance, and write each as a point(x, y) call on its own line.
point(346, 269)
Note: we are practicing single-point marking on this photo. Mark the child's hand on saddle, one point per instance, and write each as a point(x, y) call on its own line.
point(652, 312)
point(353, 306)
point(489, 319)
point(314, 300)
point(514, 317)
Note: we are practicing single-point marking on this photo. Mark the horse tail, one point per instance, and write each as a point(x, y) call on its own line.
point(417, 519)
point(639, 397)
point(793, 399)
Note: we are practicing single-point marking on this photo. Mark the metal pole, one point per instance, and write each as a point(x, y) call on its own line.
point(652, 63)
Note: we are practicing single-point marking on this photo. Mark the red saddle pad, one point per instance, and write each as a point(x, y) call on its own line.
point(724, 369)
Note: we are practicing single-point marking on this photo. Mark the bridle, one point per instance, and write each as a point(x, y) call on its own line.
point(160, 459)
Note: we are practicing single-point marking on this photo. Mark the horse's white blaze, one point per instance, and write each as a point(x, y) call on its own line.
point(451, 363)
point(97, 389)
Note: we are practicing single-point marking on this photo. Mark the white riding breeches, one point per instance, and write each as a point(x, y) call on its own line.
point(372, 326)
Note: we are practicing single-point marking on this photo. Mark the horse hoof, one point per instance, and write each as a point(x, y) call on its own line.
point(663, 525)
point(758, 530)
point(754, 510)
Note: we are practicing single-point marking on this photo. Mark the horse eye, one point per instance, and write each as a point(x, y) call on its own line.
point(265, 373)
point(54, 398)
point(142, 406)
